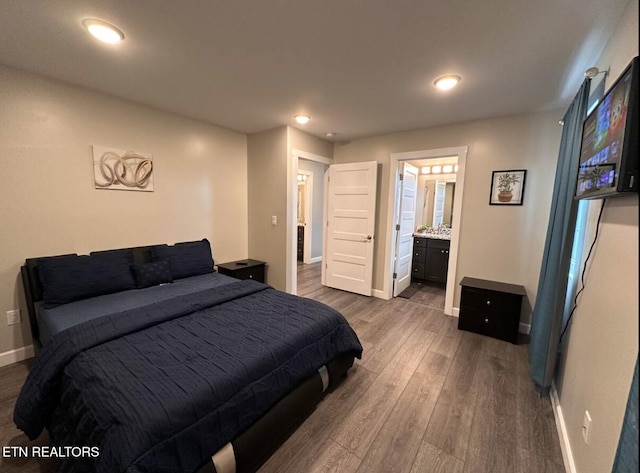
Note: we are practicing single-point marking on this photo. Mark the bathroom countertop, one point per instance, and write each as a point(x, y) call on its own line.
point(433, 236)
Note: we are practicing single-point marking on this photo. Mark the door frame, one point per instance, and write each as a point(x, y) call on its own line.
point(291, 265)
point(392, 208)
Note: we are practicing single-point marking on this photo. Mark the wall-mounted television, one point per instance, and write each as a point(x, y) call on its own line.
point(609, 148)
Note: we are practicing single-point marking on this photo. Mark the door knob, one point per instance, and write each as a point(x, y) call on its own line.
point(369, 237)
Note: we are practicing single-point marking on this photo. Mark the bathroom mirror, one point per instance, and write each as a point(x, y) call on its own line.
point(434, 201)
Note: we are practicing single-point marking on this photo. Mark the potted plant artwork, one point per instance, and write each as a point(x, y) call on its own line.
point(505, 186)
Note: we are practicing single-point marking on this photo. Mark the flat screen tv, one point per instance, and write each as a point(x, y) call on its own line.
point(609, 148)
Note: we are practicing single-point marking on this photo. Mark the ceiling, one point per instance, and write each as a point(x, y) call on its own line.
point(359, 68)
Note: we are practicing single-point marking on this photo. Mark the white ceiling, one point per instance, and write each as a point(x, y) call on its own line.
point(358, 67)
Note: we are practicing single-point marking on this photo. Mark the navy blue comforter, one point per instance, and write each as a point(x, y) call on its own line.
point(163, 387)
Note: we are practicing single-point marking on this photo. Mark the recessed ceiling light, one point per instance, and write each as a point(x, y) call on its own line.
point(302, 119)
point(103, 31)
point(447, 82)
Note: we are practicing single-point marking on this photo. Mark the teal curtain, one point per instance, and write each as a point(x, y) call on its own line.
point(546, 323)
point(627, 455)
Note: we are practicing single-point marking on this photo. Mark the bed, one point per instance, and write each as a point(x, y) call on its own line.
point(168, 366)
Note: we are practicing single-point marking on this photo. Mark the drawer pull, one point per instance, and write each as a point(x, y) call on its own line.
point(486, 321)
point(488, 302)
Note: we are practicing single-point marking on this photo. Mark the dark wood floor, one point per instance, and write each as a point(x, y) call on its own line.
point(429, 294)
point(426, 397)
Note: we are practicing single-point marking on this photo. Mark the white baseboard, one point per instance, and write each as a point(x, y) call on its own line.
point(317, 259)
point(19, 354)
point(565, 446)
point(525, 328)
point(379, 294)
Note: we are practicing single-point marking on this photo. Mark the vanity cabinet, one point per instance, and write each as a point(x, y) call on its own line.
point(300, 242)
point(430, 259)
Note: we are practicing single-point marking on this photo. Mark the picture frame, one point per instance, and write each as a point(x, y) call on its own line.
point(119, 169)
point(507, 187)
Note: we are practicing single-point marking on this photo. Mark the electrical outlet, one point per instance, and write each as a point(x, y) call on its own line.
point(274, 220)
point(586, 427)
point(13, 317)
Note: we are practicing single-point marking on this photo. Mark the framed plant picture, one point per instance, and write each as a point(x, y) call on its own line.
point(507, 187)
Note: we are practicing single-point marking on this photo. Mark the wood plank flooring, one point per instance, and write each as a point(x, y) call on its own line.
point(426, 397)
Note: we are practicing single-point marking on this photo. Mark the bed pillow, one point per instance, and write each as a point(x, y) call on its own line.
point(71, 278)
point(114, 256)
point(151, 274)
point(186, 259)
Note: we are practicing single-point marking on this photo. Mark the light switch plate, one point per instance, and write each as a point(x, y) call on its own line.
point(13, 317)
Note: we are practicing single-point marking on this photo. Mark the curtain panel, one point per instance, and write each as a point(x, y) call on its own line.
point(627, 454)
point(546, 323)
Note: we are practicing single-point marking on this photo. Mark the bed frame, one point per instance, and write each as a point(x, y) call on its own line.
point(247, 452)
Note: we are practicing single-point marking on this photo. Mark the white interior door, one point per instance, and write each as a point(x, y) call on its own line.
point(351, 206)
point(438, 202)
point(405, 227)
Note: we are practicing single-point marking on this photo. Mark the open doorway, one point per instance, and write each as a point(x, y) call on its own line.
point(306, 214)
point(434, 233)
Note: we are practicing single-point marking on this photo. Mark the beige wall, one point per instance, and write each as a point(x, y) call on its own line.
point(302, 141)
point(597, 366)
point(48, 204)
point(267, 158)
point(496, 242)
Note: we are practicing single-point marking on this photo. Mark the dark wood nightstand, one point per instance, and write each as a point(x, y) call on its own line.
point(491, 308)
point(244, 269)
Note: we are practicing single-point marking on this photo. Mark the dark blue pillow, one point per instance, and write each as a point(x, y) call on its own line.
point(186, 259)
point(115, 256)
point(71, 278)
point(151, 274)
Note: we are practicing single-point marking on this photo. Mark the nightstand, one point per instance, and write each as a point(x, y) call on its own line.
point(491, 308)
point(244, 269)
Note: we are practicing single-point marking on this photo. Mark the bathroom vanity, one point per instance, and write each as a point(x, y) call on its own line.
point(430, 259)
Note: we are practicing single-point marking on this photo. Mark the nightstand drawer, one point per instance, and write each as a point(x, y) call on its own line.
point(256, 273)
point(490, 300)
point(484, 322)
